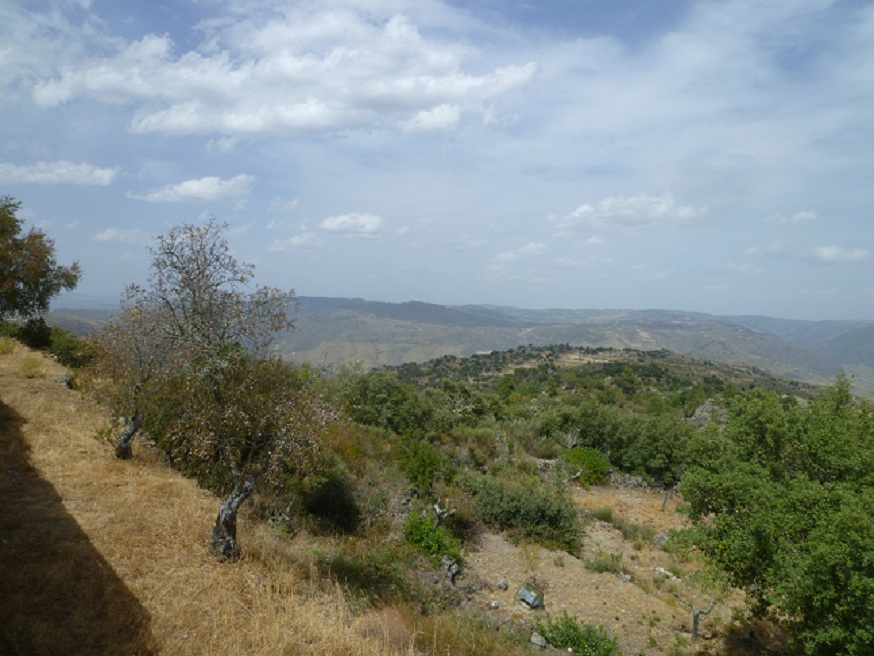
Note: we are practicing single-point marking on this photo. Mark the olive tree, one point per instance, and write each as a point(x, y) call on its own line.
point(30, 277)
point(187, 359)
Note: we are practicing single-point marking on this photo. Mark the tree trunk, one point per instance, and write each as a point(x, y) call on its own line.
point(223, 544)
point(123, 443)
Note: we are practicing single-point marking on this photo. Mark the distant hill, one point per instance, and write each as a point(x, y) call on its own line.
point(344, 331)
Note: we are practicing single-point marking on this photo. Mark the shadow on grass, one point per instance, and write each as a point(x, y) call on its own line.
point(59, 595)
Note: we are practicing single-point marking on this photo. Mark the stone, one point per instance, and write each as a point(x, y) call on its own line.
point(538, 640)
point(452, 568)
point(503, 585)
point(530, 596)
point(494, 605)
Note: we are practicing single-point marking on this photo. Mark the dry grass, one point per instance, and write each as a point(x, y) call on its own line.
point(100, 556)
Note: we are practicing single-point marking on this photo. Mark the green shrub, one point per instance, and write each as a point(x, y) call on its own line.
point(6, 346)
point(431, 539)
point(372, 573)
point(537, 514)
point(566, 632)
point(69, 349)
point(424, 463)
point(35, 334)
point(603, 514)
point(591, 463)
point(605, 562)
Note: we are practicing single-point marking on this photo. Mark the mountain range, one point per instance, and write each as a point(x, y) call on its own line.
point(351, 331)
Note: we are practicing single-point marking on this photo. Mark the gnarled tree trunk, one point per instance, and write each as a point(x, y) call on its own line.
point(125, 438)
point(223, 544)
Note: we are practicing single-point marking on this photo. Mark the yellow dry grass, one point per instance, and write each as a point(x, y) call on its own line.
point(100, 556)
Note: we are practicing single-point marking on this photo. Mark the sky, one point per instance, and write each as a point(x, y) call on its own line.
point(669, 154)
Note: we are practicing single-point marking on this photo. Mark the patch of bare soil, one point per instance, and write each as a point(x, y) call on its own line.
point(635, 604)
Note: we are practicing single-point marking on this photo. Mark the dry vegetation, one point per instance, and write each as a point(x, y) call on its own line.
point(100, 556)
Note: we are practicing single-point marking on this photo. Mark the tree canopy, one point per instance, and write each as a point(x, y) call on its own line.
point(187, 359)
point(29, 274)
point(782, 504)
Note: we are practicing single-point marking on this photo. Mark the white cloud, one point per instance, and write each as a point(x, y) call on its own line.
point(632, 213)
point(60, 172)
point(805, 216)
point(534, 248)
point(305, 239)
point(776, 248)
point(824, 254)
point(308, 70)
point(442, 117)
point(468, 243)
point(353, 225)
point(205, 189)
point(836, 254)
point(123, 236)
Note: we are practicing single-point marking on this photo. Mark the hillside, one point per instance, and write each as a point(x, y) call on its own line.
point(337, 331)
point(340, 331)
point(101, 556)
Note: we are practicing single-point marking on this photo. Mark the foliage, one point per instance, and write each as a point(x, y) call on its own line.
point(537, 514)
point(779, 503)
point(605, 562)
point(591, 463)
point(380, 399)
point(35, 333)
point(29, 274)
point(423, 463)
point(566, 632)
point(430, 538)
point(188, 356)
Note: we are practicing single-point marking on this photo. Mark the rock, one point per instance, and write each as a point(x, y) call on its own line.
point(538, 640)
point(451, 568)
point(494, 605)
point(530, 596)
point(663, 574)
point(503, 585)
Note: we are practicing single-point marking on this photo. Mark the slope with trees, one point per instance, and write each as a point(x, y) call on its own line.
point(187, 361)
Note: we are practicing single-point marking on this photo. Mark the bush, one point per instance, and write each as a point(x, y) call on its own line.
point(69, 349)
point(605, 562)
point(565, 632)
point(424, 463)
point(536, 514)
point(592, 464)
point(433, 540)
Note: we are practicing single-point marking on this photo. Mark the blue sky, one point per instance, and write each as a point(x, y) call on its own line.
point(679, 154)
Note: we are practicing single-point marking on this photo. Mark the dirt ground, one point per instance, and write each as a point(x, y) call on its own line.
point(639, 608)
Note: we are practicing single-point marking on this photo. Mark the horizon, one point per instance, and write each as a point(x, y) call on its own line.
point(709, 156)
point(78, 301)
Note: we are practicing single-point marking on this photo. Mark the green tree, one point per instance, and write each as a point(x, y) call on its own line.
point(781, 502)
point(29, 274)
point(380, 399)
point(187, 359)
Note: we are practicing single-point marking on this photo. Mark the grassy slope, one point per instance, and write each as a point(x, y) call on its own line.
point(100, 556)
